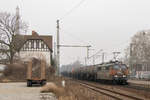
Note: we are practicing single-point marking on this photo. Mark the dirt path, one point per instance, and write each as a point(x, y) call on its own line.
point(19, 91)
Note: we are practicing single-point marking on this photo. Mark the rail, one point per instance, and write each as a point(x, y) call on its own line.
point(108, 92)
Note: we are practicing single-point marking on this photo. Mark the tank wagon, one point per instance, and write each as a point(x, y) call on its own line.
point(113, 71)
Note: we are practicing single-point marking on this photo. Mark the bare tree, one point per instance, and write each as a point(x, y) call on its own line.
point(70, 67)
point(138, 53)
point(141, 47)
point(10, 39)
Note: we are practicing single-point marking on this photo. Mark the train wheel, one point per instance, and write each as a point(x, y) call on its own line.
point(114, 82)
point(43, 83)
point(126, 83)
point(29, 83)
point(95, 77)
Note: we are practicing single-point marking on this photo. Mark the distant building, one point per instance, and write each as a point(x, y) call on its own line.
point(141, 70)
point(2, 68)
point(4, 61)
point(36, 46)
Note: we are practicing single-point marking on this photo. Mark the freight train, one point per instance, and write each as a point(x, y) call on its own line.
point(113, 71)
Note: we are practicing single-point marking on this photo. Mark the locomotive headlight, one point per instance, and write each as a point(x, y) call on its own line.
point(124, 75)
point(116, 76)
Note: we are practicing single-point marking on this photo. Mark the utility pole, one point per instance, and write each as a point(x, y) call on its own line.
point(93, 60)
point(54, 49)
point(58, 50)
point(85, 61)
point(95, 56)
point(103, 57)
point(88, 52)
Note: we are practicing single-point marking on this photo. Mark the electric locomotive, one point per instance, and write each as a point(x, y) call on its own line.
point(113, 71)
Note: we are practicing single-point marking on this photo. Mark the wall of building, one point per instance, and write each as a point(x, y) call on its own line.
point(35, 48)
point(26, 55)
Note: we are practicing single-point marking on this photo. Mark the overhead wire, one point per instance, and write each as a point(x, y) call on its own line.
point(108, 54)
point(69, 12)
point(74, 37)
point(118, 45)
point(96, 53)
point(72, 9)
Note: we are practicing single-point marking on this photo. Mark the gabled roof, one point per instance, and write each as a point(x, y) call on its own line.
point(46, 38)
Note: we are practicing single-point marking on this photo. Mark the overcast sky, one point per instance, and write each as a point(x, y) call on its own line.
point(104, 24)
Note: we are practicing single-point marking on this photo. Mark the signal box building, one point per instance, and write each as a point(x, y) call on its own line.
point(37, 46)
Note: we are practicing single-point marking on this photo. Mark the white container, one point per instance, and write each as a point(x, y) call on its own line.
point(63, 83)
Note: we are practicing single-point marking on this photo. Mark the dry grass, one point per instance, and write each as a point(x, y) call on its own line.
point(5, 80)
point(18, 71)
point(72, 91)
point(78, 92)
point(51, 87)
point(60, 92)
point(15, 72)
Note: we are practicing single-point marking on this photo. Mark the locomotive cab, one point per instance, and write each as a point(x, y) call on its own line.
point(120, 73)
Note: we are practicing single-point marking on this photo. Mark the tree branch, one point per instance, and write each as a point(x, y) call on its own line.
point(6, 34)
point(3, 42)
point(3, 51)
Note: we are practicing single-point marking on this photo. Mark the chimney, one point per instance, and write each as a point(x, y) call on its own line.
point(34, 33)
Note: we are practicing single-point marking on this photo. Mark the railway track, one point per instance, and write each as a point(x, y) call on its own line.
point(110, 93)
point(138, 87)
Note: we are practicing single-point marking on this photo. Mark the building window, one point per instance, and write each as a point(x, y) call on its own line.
point(37, 44)
point(42, 44)
point(46, 48)
point(32, 44)
point(27, 45)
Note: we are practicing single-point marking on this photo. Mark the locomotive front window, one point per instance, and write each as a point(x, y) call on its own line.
point(123, 67)
point(116, 67)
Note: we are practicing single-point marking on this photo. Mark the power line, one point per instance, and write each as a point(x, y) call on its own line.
point(117, 46)
point(75, 37)
point(96, 53)
point(72, 9)
point(73, 46)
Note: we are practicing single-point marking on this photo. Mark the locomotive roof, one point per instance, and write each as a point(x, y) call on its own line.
point(105, 64)
point(109, 63)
